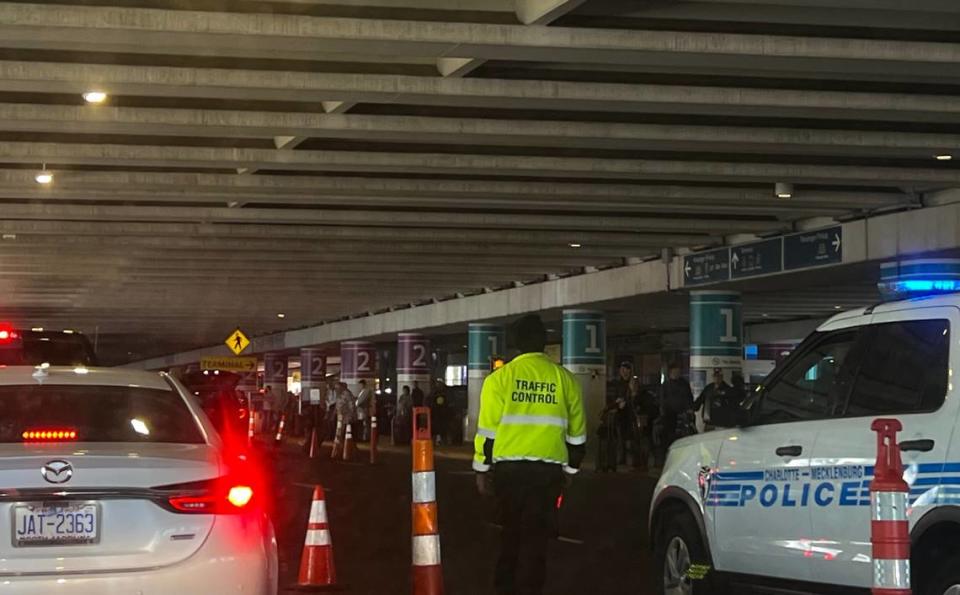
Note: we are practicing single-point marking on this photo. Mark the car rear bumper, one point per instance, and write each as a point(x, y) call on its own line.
point(227, 564)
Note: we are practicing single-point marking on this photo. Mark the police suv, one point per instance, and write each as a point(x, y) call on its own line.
point(782, 500)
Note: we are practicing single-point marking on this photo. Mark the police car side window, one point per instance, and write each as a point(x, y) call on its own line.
point(811, 386)
point(904, 370)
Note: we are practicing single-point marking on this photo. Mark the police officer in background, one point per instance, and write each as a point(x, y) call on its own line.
point(716, 394)
point(531, 436)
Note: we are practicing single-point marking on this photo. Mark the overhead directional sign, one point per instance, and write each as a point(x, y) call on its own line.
point(813, 248)
point(229, 364)
point(796, 251)
point(706, 267)
point(237, 342)
point(759, 258)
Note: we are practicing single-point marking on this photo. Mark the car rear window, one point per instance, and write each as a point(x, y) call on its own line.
point(97, 413)
point(57, 349)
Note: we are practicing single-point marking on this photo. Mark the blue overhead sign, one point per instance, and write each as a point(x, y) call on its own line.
point(759, 258)
point(706, 267)
point(796, 251)
point(813, 248)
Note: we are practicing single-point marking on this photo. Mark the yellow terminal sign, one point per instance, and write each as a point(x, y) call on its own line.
point(229, 364)
point(237, 342)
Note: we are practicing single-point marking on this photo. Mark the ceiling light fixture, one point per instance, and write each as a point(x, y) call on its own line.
point(94, 96)
point(943, 157)
point(783, 190)
point(281, 315)
point(575, 245)
point(43, 176)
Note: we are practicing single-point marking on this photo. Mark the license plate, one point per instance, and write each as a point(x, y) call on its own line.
point(56, 523)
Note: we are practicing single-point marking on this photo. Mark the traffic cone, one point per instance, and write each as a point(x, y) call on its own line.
point(427, 571)
point(251, 426)
point(336, 438)
point(348, 443)
point(317, 569)
point(283, 421)
point(314, 446)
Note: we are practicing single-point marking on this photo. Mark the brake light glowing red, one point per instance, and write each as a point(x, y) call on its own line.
point(240, 496)
point(214, 497)
point(53, 435)
point(7, 334)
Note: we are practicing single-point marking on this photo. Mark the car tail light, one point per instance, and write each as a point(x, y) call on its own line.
point(8, 334)
point(217, 496)
point(49, 435)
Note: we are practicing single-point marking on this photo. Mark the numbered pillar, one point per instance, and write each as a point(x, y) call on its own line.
point(358, 361)
point(585, 354)
point(413, 362)
point(313, 373)
point(484, 342)
point(275, 378)
point(716, 336)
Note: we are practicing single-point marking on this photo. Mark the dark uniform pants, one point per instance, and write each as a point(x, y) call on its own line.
point(526, 494)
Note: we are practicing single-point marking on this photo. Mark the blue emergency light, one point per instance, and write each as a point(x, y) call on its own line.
point(917, 278)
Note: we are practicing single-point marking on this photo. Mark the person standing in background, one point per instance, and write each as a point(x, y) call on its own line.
point(417, 395)
point(365, 401)
point(676, 401)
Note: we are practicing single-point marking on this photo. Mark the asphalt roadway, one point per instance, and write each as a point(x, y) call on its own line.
point(603, 546)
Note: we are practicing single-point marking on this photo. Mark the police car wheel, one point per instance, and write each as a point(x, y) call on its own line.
point(947, 581)
point(681, 559)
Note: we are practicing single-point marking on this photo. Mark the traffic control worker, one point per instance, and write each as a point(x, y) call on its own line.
point(531, 437)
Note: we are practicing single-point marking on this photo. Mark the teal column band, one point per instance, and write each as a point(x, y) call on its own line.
point(584, 340)
point(484, 342)
point(585, 354)
point(716, 336)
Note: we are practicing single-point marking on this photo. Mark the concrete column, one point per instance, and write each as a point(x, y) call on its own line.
point(414, 363)
point(275, 372)
point(313, 372)
point(585, 354)
point(716, 336)
point(484, 342)
point(358, 361)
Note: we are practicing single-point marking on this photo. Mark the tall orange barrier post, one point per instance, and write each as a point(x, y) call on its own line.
point(427, 571)
point(889, 527)
point(374, 431)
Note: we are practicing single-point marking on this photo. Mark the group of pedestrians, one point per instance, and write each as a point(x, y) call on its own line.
point(641, 424)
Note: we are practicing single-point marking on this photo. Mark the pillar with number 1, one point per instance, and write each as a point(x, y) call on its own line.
point(716, 336)
point(585, 354)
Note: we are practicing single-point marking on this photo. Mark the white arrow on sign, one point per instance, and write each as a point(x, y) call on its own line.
point(687, 269)
point(836, 242)
point(735, 259)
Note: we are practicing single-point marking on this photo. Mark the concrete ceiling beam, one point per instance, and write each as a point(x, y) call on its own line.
point(291, 128)
point(188, 185)
point(331, 217)
point(246, 85)
point(137, 30)
point(321, 233)
point(54, 154)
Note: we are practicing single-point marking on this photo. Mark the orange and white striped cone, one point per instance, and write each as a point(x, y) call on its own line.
point(317, 569)
point(374, 437)
point(427, 569)
point(280, 426)
point(337, 437)
point(889, 527)
point(314, 444)
point(251, 426)
point(348, 445)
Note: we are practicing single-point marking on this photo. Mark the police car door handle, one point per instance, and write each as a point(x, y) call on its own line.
point(790, 451)
point(924, 445)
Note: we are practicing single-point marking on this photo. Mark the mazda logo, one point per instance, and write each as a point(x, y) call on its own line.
point(57, 471)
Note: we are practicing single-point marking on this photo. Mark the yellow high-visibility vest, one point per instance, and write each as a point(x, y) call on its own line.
point(531, 408)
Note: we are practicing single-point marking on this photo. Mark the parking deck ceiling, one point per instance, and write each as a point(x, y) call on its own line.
point(322, 158)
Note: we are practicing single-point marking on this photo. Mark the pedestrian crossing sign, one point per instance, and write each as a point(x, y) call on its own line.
point(237, 342)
